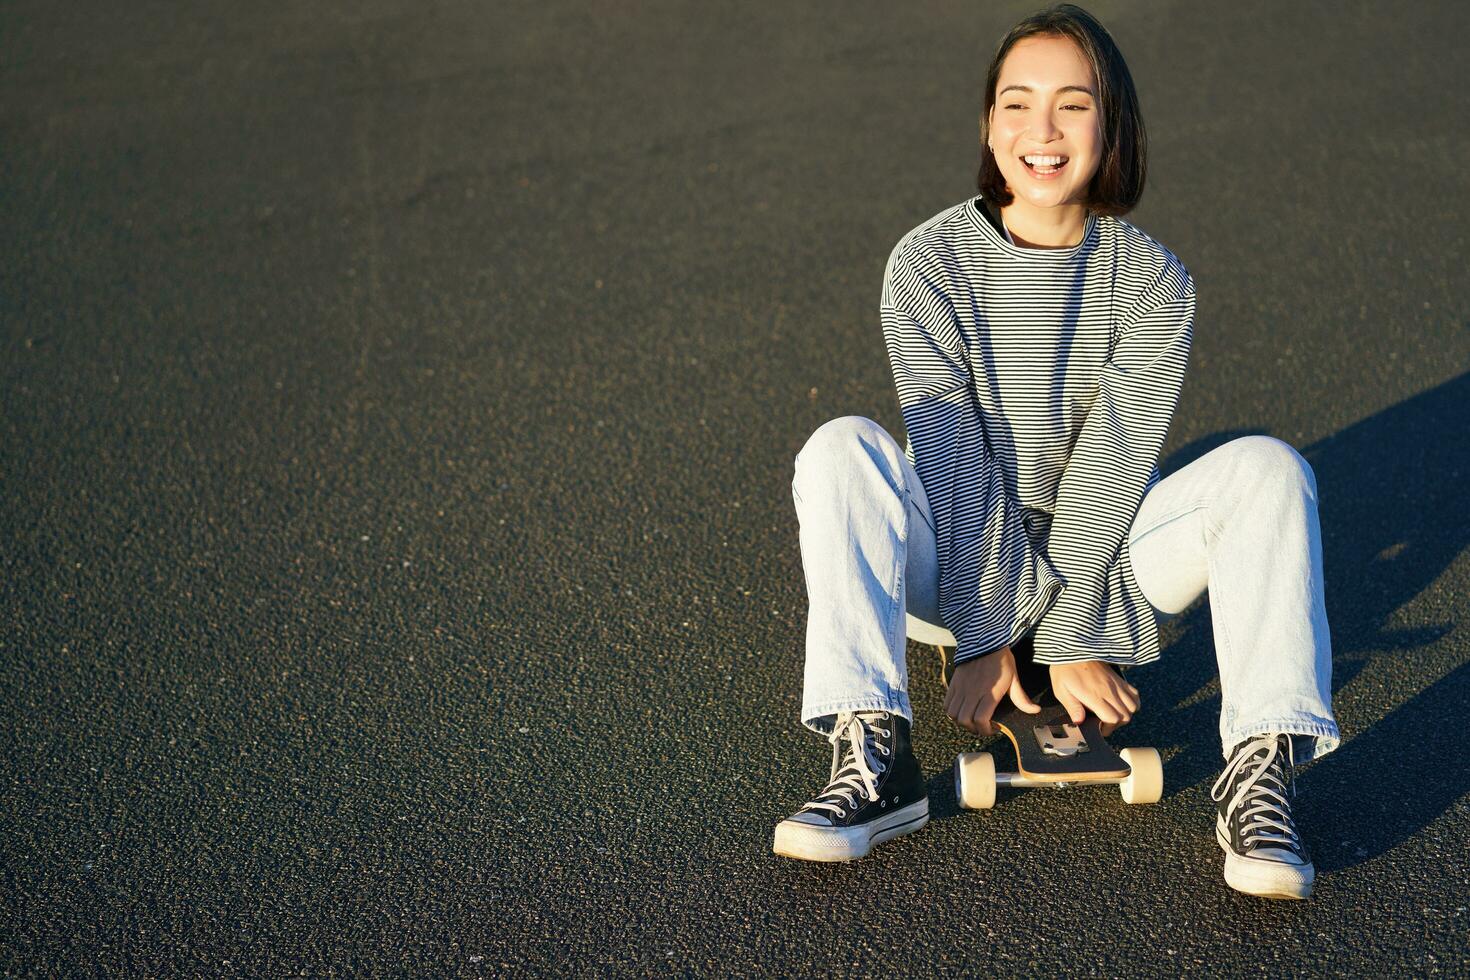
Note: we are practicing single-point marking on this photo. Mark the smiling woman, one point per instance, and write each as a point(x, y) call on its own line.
point(1061, 132)
point(1039, 343)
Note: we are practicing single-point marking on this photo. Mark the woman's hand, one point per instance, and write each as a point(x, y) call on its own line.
point(1095, 686)
point(978, 685)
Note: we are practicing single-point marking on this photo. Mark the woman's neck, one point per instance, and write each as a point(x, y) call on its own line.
point(1058, 227)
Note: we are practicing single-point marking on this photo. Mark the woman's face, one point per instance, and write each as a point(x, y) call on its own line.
point(1046, 104)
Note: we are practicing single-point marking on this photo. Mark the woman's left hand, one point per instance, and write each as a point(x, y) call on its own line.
point(1092, 685)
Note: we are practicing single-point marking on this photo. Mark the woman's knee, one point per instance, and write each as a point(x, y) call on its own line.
point(1275, 462)
point(837, 439)
point(845, 454)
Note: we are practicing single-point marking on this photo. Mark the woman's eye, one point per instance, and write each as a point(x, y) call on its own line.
point(1015, 105)
point(1082, 107)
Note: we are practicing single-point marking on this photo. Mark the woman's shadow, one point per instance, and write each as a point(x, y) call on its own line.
point(1393, 520)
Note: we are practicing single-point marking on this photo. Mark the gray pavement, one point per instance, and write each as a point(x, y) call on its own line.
point(398, 403)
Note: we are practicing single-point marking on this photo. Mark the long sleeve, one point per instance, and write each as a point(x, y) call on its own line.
point(993, 583)
point(1107, 474)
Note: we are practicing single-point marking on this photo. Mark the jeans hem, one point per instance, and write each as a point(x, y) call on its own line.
point(1323, 734)
point(819, 717)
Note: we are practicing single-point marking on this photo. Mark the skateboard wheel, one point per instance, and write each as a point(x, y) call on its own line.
point(1145, 784)
point(974, 780)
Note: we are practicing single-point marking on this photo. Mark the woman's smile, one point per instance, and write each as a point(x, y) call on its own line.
point(1044, 167)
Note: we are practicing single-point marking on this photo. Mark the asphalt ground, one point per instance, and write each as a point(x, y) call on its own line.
point(400, 572)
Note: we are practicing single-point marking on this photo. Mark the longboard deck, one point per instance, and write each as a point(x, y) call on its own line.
point(1094, 760)
point(1091, 758)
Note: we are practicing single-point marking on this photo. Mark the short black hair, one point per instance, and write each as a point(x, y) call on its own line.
point(1118, 184)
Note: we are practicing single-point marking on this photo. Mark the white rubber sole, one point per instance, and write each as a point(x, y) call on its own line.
point(807, 842)
point(1264, 878)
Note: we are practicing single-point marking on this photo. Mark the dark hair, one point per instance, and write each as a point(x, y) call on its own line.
point(1118, 184)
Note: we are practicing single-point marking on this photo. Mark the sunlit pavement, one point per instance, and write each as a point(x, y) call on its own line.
point(399, 569)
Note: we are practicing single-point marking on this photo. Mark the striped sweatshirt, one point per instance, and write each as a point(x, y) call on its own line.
point(1036, 387)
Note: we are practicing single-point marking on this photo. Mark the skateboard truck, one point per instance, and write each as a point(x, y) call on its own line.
point(1139, 772)
point(1064, 739)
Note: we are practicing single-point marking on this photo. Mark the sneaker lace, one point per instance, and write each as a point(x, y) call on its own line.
point(1261, 796)
point(854, 772)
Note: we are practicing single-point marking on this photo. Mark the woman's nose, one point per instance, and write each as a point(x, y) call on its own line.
point(1044, 125)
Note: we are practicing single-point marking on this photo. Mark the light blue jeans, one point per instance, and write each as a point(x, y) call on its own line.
point(1240, 521)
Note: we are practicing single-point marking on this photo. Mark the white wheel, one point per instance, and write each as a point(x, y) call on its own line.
point(1145, 784)
point(922, 632)
point(974, 780)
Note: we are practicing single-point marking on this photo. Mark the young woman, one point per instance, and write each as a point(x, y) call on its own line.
point(1038, 344)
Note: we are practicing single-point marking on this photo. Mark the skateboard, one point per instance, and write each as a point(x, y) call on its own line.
point(1050, 749)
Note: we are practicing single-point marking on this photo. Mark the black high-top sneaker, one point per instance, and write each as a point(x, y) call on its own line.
point(1263, 854)
point(876, 792)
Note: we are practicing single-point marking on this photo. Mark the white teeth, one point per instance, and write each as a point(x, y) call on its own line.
point(1036, 161)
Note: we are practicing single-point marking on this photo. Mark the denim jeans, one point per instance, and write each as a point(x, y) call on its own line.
point(1240, 521)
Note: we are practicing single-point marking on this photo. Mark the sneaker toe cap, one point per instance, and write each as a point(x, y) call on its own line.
point(808, 817)
point(1278, 855)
